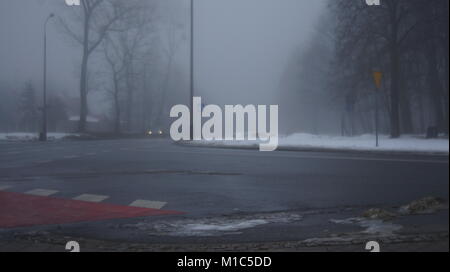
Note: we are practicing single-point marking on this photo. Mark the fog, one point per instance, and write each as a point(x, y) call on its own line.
point(21, 47)
point(241, 47)
point(304, 55)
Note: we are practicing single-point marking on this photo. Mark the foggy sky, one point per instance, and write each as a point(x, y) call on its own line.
point(242, 46)
point(21, 46)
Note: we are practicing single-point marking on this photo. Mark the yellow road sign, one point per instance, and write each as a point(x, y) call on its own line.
point(378, 76)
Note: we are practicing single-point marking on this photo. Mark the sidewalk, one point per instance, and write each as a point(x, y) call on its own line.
point(407, 145)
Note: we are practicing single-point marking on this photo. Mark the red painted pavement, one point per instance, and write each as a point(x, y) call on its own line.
point(19, 210)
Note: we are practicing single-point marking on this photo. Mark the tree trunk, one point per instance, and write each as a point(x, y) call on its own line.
point(129, 99)
point(83, 77)
point(446, 69)
point(83, 97)
point(434, 84)
point(395, 71)
point(405, 108)
point(165, 89)
point(394, 92)
point(116, 107)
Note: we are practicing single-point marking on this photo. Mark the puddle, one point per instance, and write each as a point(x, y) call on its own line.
point(371, 226)
point(218, 226)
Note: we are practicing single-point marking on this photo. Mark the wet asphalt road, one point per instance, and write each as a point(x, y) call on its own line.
point(209, 182)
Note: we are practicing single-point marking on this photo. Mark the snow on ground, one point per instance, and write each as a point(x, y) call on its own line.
point(407, 143)
point(214, 226)
point(25, 136)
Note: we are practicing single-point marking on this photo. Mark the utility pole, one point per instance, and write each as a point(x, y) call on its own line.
point(43, 136)
point(191, 94)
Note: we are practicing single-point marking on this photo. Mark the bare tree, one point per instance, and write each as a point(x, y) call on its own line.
point(90, 27)
point(172, 38)
point(123, 49)
point(378, 38)
point(116, 66)
point(406, 39)
point(28, 109)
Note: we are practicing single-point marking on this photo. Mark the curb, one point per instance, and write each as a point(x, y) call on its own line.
point(442, 155)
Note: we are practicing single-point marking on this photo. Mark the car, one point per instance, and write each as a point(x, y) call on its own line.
point(155, 133)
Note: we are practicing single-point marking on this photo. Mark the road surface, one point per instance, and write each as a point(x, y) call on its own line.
point(156, 191)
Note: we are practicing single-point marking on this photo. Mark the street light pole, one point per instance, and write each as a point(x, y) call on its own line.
point(191, 95)
point(43, 136)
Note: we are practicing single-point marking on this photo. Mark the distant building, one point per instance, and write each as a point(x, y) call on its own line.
point(93, 123)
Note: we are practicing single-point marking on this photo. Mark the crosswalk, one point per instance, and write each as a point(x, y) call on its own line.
point(148, 204)
point(93, 198)
point(41, 192)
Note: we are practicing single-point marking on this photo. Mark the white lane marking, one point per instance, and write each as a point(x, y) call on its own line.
point(71, 157)
point(44, 162)
point(91, 198)
point(41, 192)
point(4, 187)
point(148, 204)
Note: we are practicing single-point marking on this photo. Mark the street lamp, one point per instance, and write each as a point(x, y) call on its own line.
point(192, 71)
point(43, 135)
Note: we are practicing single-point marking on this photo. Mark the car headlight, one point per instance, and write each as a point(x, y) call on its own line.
point(160, 132)
point(149, 132)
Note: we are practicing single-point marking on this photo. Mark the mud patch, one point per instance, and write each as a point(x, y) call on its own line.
point(378, 214)
point(426, 205)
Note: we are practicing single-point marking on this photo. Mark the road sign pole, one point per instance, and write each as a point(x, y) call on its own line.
point(377, 76)
point(376, 119)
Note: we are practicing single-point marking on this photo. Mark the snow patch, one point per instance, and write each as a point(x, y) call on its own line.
point(426, 205)
point(207, 229)
point(25, 136)
point(410, 143)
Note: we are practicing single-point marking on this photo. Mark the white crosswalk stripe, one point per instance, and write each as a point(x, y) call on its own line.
point(91, 198)
point(41, 192)
point(140, 203)
point(148, 204)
